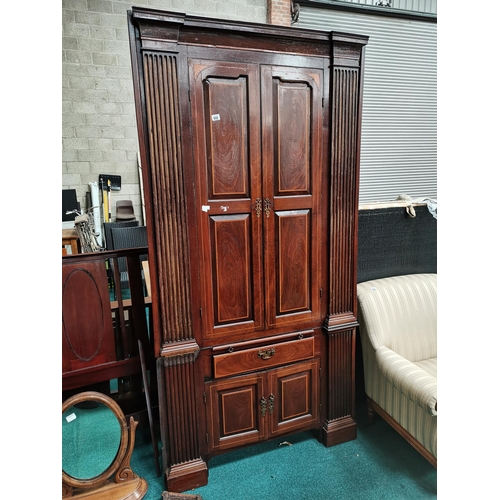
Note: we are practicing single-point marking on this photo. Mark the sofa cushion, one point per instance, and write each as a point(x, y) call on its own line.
point(429, 365)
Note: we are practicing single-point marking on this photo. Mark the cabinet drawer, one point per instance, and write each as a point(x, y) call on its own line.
point(259, 358)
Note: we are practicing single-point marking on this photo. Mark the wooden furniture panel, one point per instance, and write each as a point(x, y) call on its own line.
point(99, 336)
point(249, 137)
point(249, 408)
point(88, 336)
point(266, 356)
point(292, 143)
point(341, 322)
point(292, 129)
point(227, 162)
point(164, 187)
point(234, 411)
point(344, 199)
point(231, 242)
point(293, 269)
point(226, 122)
point(295, 394)
point(70, 237)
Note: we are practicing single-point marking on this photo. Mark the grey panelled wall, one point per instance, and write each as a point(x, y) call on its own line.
point(399, 129)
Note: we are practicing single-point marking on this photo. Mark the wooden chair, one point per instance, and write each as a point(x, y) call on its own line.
point(103, 339)
point(110, 225)
point(128, 237)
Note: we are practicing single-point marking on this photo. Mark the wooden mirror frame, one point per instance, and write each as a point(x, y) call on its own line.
point(125, 483)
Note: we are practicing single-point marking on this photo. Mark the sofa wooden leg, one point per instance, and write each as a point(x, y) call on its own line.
point(370, 411)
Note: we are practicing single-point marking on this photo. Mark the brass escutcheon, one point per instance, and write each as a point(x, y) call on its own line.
point(271, 404)
point(263, 404)
point(258, 207)
point(267, 207)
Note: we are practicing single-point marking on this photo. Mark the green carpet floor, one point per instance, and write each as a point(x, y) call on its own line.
point(379, 464)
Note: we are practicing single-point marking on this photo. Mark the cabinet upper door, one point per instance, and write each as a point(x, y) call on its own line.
point(225, 100)
point(292, 173)
point(257, 134)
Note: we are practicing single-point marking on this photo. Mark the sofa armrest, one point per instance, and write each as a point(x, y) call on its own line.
point(408, 378)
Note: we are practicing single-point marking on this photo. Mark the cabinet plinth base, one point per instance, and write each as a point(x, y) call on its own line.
point(186, 476)
point(339, 431)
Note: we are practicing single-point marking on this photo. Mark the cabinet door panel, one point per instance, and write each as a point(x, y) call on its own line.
point(292, 166)
point(294, 391)
point(292, 119)
point(231, 250)
point(234, 411)
point(293, 284)
point(226, 130)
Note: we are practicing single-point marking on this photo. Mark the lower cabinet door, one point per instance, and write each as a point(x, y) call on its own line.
point(234, 411)
point(293, 400)
point(249, 408)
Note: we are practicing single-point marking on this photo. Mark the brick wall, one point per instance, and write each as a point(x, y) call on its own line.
point(98, 114)
point(278, 12)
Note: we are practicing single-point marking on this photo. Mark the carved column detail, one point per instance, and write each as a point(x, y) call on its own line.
point(341, 350)
point(169, 200)
point(181, 455)
point(340, 325)
point(179, 379)
point(339, 424)
point(344, 194)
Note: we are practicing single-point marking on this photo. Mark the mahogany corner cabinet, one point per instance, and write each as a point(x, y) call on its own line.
point(249, 140)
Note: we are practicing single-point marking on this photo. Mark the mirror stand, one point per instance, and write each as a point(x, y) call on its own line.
point(117, 481)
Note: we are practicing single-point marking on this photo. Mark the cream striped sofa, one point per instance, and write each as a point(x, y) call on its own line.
point(398, 330)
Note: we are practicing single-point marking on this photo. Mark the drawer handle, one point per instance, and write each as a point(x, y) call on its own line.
point(266, 353)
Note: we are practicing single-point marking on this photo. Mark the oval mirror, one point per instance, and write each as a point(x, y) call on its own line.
point(89, 449)
point(97, 445)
